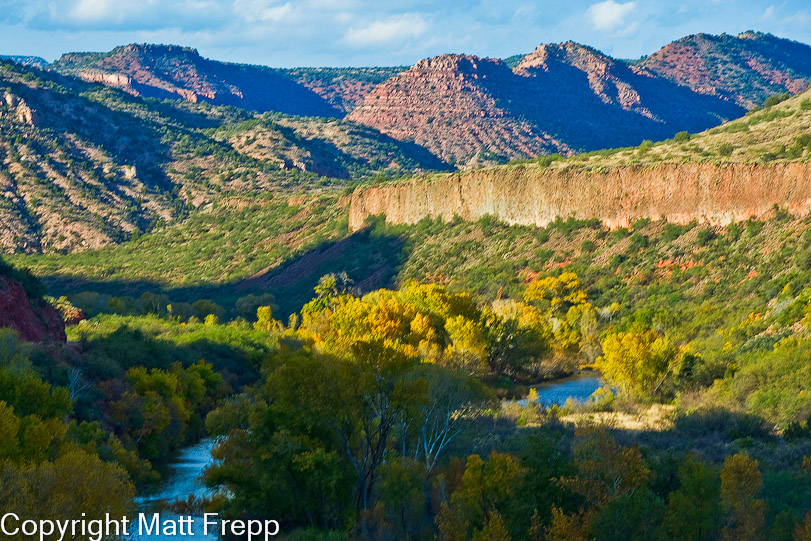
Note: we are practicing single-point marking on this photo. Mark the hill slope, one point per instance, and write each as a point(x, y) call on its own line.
point(747, 68)
point(84, 165)
point(561, 98)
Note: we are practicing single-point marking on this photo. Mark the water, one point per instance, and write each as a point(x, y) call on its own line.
point(182, 480)
point(578, 387)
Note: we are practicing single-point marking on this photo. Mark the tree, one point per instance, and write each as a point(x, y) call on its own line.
point(556, 294)
point(636, 362)
point(488, 489)
point(605, 469)
point(512, 346)
point(741, 482)
point(74, 485)
point(449, 398)
point(694, 509)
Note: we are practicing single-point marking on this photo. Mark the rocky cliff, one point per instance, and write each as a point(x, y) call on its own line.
point(534, 195)
point(33, 319)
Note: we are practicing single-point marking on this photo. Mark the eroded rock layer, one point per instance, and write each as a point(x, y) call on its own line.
point(532, 195)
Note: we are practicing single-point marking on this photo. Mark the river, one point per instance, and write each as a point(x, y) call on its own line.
point(180, 481)
point(183, 477)
point(579, 386)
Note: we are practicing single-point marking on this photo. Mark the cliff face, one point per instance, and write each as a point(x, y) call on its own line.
point(34, 320)
point(536, 196)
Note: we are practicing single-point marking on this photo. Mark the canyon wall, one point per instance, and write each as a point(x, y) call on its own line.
point(533, 195)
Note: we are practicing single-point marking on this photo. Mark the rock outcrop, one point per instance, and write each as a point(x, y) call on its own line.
point(533, 195)
point(33, 319)
point(21, 110)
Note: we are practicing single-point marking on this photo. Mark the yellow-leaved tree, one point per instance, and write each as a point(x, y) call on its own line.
point(636, 363)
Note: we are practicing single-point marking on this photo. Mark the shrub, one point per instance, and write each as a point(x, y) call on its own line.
point(682, 137)
point(771, 101)
point(725, 149)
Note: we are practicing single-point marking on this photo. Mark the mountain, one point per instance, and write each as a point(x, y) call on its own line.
point(175, 72)
point(455, 105)
point(747, 68)
point(560, 98)
point(30, 61)
point(343, 88)
point(170, 71)
point(85, 165)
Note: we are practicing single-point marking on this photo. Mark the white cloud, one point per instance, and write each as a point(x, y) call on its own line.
point(263, 11)
point(277, 13)
point(390, 30)
point(610, 16)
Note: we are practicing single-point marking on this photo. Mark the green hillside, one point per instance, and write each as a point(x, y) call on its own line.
point(85, 165)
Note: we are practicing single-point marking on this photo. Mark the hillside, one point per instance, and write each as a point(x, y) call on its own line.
point(328, 147)
point(746, 68)
point(86, 165)
point(561, 98)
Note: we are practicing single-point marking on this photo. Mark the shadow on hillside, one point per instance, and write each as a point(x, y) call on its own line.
point(370, 259)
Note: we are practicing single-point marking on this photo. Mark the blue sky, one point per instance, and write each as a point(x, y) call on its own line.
point(290, 33)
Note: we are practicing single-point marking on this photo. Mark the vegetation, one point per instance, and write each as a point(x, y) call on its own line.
point(365, 414)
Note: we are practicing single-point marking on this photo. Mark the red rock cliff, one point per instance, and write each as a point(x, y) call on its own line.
point(532, 195)
point(34, 321)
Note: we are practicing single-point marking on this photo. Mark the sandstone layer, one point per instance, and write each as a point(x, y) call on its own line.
point(533, 195)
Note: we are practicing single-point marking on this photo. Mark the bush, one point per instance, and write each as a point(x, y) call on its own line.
point(705, 236)
point(725, 149)
point(681, 137)
point(771, 101)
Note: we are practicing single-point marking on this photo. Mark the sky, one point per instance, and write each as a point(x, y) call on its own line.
point(289, 33)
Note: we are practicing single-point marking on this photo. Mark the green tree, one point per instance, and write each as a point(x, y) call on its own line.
point(694, 509)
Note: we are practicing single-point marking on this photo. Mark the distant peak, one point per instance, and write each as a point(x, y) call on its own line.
point(569, 52)
point(454, 62)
